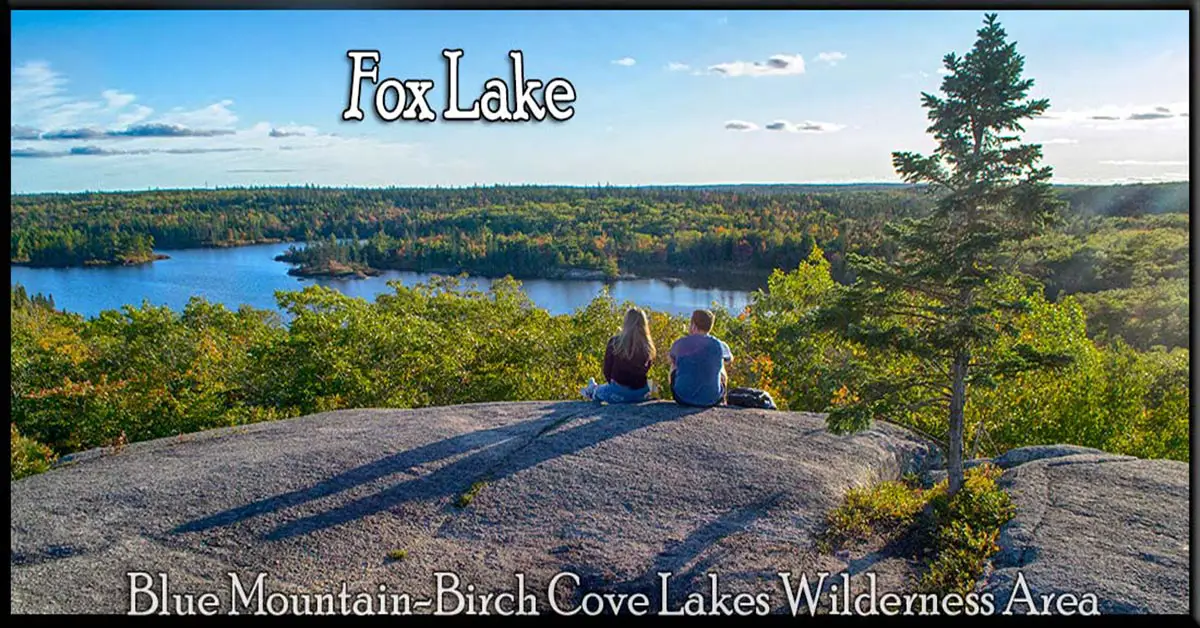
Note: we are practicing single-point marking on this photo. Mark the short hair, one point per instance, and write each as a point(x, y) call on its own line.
point(703, 320)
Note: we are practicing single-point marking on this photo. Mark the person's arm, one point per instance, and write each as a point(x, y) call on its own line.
point(726, 354)
point(608, 361)
point(671, 371)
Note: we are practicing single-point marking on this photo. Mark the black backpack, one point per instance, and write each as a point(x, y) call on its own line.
point(750, 398)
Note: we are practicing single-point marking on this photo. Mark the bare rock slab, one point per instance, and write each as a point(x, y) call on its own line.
point(1112, 526)
point(614, 494)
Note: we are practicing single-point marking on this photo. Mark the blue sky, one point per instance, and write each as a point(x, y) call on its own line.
point(133, 100)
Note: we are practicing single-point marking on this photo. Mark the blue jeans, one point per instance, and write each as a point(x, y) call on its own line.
point(615, 393)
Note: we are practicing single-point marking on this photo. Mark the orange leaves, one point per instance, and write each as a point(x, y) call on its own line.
point(73, 389)
point(843, 397)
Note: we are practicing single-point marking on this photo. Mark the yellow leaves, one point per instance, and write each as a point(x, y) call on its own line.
point(73, 389)
point(843, 397)
point(26, 455)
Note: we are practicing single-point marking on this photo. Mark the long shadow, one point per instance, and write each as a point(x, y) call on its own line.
point(396, 463)
point(676, 556)
point(455, 478)
point(901, 546)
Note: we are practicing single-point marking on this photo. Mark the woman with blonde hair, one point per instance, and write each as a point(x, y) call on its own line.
point(627, 359)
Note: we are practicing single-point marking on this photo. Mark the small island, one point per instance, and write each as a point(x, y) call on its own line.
point(130, 260)
point(87, 262)
point(356, 258)
point(333, 268)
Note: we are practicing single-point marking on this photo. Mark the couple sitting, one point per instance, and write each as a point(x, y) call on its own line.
point(697, 364)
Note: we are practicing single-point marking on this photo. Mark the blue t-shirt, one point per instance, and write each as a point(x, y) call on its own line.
point(699, 360)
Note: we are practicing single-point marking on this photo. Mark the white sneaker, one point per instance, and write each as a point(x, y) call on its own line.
point(590, 389)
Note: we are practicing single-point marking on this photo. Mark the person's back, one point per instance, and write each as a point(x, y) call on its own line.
point(698, 364)
point(627, 359)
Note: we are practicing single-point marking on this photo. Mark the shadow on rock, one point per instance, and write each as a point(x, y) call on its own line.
point(685, 560)
point(454, 478)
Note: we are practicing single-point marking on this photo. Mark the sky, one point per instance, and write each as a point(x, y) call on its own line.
point(116, 100)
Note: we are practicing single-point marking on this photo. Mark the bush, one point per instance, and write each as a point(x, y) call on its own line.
point(961, 530)
point(966, 528)
point(151, 372)
point(885, 509)
point(28, 456)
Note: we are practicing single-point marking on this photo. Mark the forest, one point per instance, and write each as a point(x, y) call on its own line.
point(147, 372)
point(1108, 286)
point(1122, 249)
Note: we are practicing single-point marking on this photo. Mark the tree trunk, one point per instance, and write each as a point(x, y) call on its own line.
point(958, 400)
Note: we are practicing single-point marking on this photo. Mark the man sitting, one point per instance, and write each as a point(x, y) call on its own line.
point(698, 364)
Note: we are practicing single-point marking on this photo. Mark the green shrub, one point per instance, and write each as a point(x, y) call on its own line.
point(150, 372)
point(466, 498)
point(961, 530)
point(28, 457)
point(881, 510)
point(966, 528)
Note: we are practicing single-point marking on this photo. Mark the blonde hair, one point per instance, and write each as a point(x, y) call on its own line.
point(634, 339)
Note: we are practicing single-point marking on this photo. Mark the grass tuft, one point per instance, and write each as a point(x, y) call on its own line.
point(960, 532)
point(466, 498)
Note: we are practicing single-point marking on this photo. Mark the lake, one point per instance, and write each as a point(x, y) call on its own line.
point(250, 275)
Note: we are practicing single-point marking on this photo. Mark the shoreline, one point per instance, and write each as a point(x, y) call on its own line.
point(731, 279)
point(95, 263)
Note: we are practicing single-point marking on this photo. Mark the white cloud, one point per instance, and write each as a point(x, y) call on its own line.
point(35, 87)
point(677, 67)
point(625, 61)
point(1056, 141)
point(116, 99)
point(216, 115)
point(943, 71)
point(741, 125)
point(807, 126)
point(1119, 117)
point(292, 130)
point(48, 123)
point(68, 114)
point(776, 65)
point(1136, 162)
point(831, 58)
point(40, 101)
point(133, 116)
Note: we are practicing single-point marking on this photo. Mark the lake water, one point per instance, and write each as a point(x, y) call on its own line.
point(250, 275)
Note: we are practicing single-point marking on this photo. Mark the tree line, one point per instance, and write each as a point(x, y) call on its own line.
point(1127, 246)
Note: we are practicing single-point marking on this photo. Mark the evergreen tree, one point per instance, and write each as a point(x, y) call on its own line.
point(947, 298)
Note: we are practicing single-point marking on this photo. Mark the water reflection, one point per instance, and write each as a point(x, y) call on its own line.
point(250, 275)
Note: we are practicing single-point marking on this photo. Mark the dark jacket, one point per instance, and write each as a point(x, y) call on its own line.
point(628, 373)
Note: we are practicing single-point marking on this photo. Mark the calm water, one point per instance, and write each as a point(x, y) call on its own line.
point(250, 275)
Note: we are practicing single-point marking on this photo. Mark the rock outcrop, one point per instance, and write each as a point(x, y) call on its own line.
point(1091, 522)
point(614, 494)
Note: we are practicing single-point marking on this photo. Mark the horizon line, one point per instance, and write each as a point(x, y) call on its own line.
point(476, 186)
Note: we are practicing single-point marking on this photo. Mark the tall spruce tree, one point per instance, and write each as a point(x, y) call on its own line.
point(946, 298)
